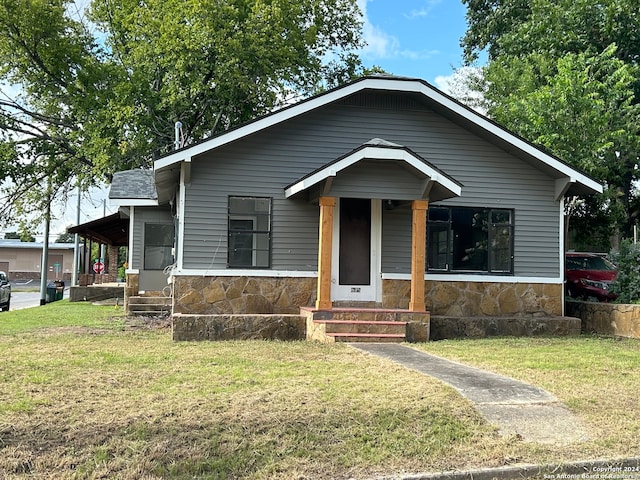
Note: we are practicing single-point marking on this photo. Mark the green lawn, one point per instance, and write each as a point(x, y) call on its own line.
point(82, 395)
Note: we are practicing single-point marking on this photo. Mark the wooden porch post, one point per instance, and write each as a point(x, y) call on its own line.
point(418, 247)
point(327, 205)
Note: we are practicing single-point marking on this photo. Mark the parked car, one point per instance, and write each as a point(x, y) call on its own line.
point(5, 292)
point(589, 276)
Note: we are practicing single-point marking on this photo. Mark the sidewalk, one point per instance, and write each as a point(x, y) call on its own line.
point(516, 408)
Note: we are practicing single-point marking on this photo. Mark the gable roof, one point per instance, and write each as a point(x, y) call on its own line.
point(134, 187)
point(438, 186)
point(567, 178)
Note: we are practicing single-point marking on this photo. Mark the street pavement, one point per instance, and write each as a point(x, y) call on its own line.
point(24, 296)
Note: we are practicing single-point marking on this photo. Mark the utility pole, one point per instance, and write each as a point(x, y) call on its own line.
point(45, 248)
point(76, 246)
point(104, 214)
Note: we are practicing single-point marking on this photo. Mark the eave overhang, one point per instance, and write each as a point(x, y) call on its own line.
point(438, 185)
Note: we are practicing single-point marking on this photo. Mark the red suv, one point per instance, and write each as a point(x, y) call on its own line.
point(589, 276)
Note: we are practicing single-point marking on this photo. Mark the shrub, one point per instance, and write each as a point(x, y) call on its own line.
point(627, 283)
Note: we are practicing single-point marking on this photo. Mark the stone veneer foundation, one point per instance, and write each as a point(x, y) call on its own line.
point(285, 295)
point(446, 328)
point(219, 308)
point(478, 299)
point(242, 295)
point(238, 327)
point(619, 319)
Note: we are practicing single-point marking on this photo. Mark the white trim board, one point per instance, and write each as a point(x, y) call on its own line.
point(374, 153)
point(192, 272)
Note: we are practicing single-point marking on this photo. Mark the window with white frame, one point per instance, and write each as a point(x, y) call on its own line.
point(249, 241)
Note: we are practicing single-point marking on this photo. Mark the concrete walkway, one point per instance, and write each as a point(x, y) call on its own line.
point(516, 408)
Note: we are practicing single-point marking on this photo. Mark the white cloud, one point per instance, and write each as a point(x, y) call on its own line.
point(379, 44)
point(418, 54)
point(424, 11)
point(382, 45)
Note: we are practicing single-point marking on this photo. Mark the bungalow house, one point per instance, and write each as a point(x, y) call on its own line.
point(384, 192)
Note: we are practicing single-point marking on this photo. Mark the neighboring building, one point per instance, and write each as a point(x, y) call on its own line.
point(384, 191)
point(111, 231)
point(23, 260)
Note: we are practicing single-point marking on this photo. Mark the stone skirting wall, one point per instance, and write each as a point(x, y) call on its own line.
point(285, 295)
point(219, 308)
point(607, 318)
point(131, 288)
point(478, 299)
point(242, 295)
point(238, 327)
point(481, 327)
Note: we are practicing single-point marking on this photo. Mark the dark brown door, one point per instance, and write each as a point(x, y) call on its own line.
point(355, 241)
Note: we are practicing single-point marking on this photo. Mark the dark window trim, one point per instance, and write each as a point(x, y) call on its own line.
point(449, 253)
point(147, 244)
point(239, 215)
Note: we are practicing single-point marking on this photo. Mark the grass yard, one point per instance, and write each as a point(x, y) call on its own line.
point(598, 378)
point(83, 395)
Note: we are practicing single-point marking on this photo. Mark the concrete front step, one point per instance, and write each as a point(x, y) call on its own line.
point(149, 300)
point(366, 337)
point(149, 313)
point(365, 327)
point(149, 305)
point(356, 324)
point(362, 314)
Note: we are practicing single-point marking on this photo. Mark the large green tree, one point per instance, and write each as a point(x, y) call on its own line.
point(564, 74)
point(87, 92)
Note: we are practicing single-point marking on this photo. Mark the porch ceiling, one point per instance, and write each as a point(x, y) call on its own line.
point(437, 185)
point(110, 230)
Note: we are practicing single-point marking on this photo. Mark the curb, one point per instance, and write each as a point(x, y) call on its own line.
point(623, 468)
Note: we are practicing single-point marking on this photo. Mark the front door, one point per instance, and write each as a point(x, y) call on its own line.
point(356, 250)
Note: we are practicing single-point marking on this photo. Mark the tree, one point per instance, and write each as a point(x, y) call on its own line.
point(100, 90)
point(23, 236)
point(65, 238)
point(565, 75)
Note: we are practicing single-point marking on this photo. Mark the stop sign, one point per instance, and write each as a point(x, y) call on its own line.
point(98, 267)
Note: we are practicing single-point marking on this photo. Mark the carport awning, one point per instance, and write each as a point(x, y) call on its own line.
point(110, 230)
point(436, 184)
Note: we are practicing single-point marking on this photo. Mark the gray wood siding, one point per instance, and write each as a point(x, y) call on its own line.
point(396, 240)
point(264, 163)
point(378, 179)
point(141, 216)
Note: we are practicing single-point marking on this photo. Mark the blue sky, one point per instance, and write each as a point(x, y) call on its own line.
point(414, 38)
